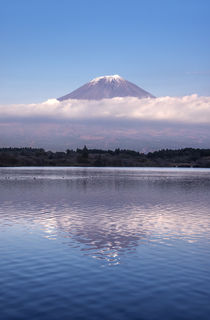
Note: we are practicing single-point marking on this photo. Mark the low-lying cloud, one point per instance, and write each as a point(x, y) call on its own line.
point(187, 109)
point(144, 125)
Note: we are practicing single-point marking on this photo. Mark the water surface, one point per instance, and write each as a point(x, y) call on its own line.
point(106, 243)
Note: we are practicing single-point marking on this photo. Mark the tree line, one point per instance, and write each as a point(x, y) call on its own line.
point(26, 156)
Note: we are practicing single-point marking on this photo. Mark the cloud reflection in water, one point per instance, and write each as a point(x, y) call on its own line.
point(108, 213)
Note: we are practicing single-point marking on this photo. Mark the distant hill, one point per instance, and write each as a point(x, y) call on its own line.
point(107, 87)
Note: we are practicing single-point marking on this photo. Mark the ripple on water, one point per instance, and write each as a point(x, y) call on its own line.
point(84, 243)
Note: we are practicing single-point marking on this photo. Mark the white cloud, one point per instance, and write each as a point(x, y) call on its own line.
point(146, 124)
point(187, 109)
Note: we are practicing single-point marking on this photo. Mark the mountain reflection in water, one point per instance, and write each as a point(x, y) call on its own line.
point(108, 212)
point(104, 243)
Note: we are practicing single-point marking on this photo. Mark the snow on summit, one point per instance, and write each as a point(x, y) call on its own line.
point(107, 87)
point(114, 77)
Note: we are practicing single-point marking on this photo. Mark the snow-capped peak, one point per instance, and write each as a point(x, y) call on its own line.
point(107, 87)
point(115, 77)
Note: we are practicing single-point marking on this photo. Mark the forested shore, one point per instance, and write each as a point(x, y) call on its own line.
point(187, 157)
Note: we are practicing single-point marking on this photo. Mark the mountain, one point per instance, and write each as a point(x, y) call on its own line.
point(107, 87)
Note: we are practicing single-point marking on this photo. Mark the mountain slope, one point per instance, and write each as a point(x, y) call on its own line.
point(107, 87)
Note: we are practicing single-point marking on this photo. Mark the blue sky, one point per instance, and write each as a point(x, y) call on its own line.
point(49, 48)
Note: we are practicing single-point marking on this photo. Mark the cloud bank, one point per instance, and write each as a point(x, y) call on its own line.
point(144, 125)
point(187, 109)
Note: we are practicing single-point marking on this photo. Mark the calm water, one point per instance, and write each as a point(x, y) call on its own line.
point(86, 243)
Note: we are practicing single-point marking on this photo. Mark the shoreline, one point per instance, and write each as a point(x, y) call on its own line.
point(123, 158)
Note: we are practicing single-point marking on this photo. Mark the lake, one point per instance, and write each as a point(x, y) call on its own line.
point(104, 243)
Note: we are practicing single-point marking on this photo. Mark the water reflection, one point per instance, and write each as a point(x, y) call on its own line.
point(108, 213)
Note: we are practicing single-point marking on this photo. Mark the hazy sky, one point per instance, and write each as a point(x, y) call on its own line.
point(51, 47)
